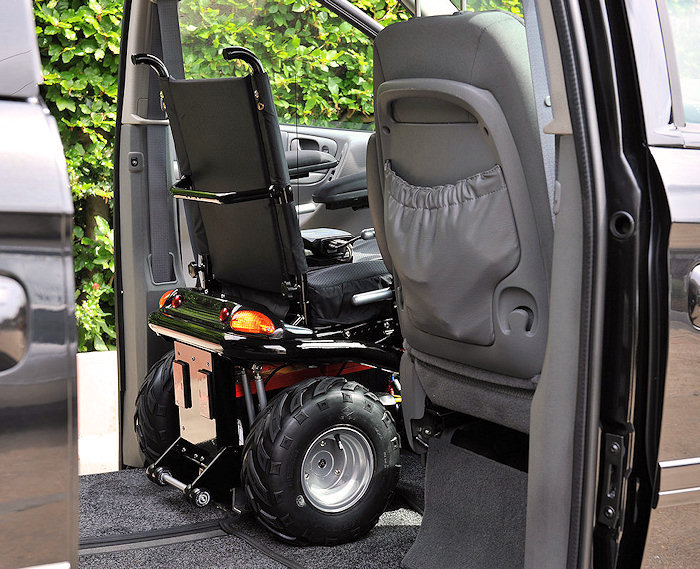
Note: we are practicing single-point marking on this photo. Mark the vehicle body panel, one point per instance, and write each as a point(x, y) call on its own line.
point(679, 452)
point(673, 144)
point(38, 418)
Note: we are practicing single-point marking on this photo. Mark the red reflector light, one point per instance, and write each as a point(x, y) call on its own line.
point(177, 301)
point(252, 322)
point(224, 314)
point(164, 298)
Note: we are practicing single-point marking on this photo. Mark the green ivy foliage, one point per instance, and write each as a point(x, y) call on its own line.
point(514, 6)
point(94, 257)
point(79, 45)
point(320, 68)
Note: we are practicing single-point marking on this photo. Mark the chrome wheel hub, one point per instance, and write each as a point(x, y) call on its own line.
point(337, 469)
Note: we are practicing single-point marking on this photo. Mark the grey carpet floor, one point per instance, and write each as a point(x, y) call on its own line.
point(412, 482)
point(227, 552)
point(125, 502)
point(473, 504)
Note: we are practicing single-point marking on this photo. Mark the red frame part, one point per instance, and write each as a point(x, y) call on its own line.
point(294, 373)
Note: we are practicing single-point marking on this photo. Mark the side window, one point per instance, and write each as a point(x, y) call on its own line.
point(513, 6)
point(320, 67)
point(684, 16)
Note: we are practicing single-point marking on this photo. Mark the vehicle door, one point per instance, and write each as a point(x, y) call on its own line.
point(664, 40)
point(38, 338)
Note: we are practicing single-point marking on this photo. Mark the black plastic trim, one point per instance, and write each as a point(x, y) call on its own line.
point(119, 287)
point(142, 537)
point(354, 16)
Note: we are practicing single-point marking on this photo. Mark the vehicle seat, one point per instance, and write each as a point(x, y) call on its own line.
point(459, 201)
point(230, 154)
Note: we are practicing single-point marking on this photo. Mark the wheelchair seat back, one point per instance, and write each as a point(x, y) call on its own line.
point(230, 152)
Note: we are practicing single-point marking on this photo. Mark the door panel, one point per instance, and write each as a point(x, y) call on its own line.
point(350, 149)
point(138, 292)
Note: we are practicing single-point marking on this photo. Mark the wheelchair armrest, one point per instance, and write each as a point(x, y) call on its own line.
point(372, 296)
point(182, 189)
point(302, 162)
point(346, 191)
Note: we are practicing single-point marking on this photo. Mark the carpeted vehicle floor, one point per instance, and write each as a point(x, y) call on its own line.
point(128, 522)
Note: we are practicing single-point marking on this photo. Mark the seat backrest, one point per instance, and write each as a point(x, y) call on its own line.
point(227, 140)
point(458, 191)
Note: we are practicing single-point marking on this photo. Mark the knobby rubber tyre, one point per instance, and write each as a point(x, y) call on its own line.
point(285, 436)
point(156, 420)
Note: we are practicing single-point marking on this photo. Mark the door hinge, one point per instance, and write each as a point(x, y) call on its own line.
point(613, 472)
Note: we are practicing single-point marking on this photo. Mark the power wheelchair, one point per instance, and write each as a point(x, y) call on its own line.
point(315, 456)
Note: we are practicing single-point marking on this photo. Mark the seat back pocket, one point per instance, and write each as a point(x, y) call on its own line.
point(451, 246)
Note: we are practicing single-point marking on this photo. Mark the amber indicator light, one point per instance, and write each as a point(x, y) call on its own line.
point(252, 322)
point(164, 298)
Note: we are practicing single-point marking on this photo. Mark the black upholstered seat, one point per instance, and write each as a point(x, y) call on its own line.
point(330, 289)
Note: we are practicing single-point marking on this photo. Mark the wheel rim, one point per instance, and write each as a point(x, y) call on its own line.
point(337, 469)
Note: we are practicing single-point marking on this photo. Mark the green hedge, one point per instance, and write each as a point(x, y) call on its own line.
point(79, 44)
point(320, 68)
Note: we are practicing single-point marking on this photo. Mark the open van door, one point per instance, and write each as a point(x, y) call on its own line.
point(594, 421)
point(624, 294)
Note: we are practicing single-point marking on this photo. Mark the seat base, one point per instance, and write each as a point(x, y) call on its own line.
point(330, 290)
point(499, 398)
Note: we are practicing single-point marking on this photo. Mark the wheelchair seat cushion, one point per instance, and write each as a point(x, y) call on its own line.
point(330, 289)
point(367, 251)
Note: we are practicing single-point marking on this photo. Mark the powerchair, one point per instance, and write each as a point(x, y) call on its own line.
point(277, 315)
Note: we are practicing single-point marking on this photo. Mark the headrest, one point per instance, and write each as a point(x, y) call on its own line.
point(20, 67)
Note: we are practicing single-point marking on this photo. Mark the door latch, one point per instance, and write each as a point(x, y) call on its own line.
point(613, 471)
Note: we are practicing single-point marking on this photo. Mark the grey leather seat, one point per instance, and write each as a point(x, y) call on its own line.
point(459, 202)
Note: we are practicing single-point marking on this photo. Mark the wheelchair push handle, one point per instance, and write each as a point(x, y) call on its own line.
point(244, 54)
point(229, 53)
point(151, 60)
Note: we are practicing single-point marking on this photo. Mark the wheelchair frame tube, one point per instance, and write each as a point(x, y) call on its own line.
point(247, 396)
